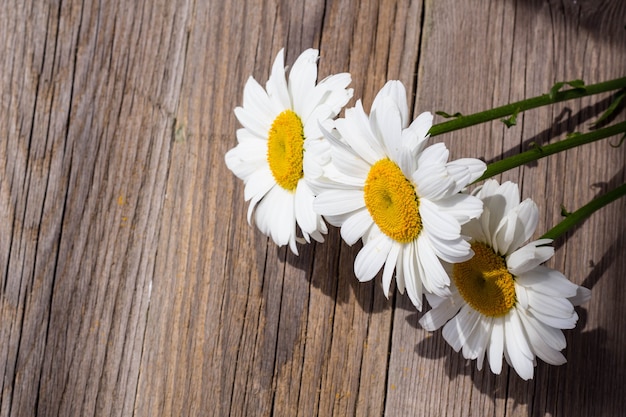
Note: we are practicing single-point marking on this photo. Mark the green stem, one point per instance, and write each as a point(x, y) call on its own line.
point(520, 106)
point(539, 152)
point(582, 213)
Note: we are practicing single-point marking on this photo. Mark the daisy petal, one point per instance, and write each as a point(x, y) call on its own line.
point(335, 202)
point(457, 331)
point(355, 226)
point(253, 123)
point(388, 121)
point(415, 136)
point(547, 281)
point(256, 101)
point(537, 337)
point(529, 257)
point(437, 317)
point(496, 345)
point(390, 266)
point(371, 257)
point(275, 217)
point(465, 171)
point(394, 91)
point(517, 348)
point(439, 222)
point(412, 275)
point(305, 215)
point(435, 278)
point(277, 84)
point(302, 79)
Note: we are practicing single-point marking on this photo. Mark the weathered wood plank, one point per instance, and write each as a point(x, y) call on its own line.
point(131, 281)
point(93, 97)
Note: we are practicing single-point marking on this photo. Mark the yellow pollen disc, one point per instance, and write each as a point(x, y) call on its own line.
point(392, 202)
point(485, 283)
point(285, 149)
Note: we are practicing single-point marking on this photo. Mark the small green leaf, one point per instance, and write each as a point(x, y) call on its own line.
point(535, 145)
point(621, 141)
point(448, 115)
point(609, 111)
point(575, 84)
point(512, 120)
point(564, 211)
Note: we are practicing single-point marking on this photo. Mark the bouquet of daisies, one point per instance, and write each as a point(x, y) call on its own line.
point(377, 178)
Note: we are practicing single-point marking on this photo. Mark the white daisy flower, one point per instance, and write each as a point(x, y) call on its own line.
point(401, 198)
point(503, 302)
point(281, 148)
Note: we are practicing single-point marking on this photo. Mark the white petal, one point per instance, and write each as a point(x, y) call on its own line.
point(416, 135)
point(407, 267)
point(393, 90)
point(537, 337)
point(246, 158)
point(305, 215)
point(259, 183)
point(547, 281)
point(516, 345)
point(476, 344)
point(412, 275)
point(275, 217)
point(256, 101)
point(549, 305)
point(337, 95)
point(276, 85)
point(460, 327)
point(354, 129)
point(333, 202)
point(499, 200)
point(474, 231)
point(496, 345)
point(527, 219)
point(302, 78)
point(556, 322)
point(252, 122)
point(316, 155)
point(371, 257)
point(400, 269)
point(438, 222)
point(349, 163)
point(465, 171)
point(522, 295)
point(529, 257)
point(438, 316)
point(553, 337)
point(389, 123)
point(435, 278)
point(436, 154)
point(355, 226)
point(462, 207)
point(390, 265)
point(452, 251)
point(504, 235)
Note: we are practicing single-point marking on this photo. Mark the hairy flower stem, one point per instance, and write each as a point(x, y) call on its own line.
point(539, 152)
point(520, 106)
point(585, 211)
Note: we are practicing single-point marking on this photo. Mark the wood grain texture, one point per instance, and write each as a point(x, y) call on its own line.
point(132, 284)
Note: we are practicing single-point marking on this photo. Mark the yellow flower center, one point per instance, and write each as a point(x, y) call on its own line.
point(484, 282)
point(285, 149)
point(392, 202)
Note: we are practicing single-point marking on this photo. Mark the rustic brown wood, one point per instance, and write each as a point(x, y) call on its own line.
point(132, 284)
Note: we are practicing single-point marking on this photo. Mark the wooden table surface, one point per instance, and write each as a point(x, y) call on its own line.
point(132, 284)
